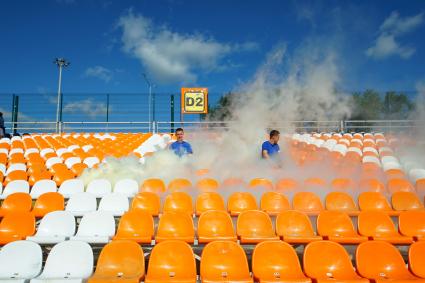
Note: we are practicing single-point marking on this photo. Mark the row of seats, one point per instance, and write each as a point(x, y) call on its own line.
point(221, 261)
point(252, 226)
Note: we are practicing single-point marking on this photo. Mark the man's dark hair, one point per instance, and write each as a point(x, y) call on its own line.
point(179, 130)
point(1, 113)
point(274, 133)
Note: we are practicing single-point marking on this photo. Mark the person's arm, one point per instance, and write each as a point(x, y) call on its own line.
point(265, 154)
point(189, 149)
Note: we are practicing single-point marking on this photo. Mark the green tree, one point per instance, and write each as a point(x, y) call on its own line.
point(397, 105)
point(367, 105)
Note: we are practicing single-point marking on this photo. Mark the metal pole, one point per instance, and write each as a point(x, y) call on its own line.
point(107, 111)
point(59, 99)
point(150, 107)
point(15, 114)
point(172, 112)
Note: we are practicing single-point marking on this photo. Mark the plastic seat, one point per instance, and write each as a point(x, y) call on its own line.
point(153, 185)
point(147, 201)
point(16, 226)
point(241, 201)
point(382, 262)
point(70, 261)
point(48, 202)
point(412, 224)
point(215, 225)
point(71, 187)
point(338, 227)
point(307, 202)
point(17, 202)
point(20, 261)
point(287, 185)
point(295, 227)
point(120, 261)
point(235, 183)
point(417, 259)
point(115, 203)
point(179, 202)
point(171, 261)
point(207, 185)
point(81, 203)
point(224, 261)
point(375, 201)
point(255, 226)
point(273, 203)
point(277, 261)
point(261, 183)
point(99, 188)
point(136, 225)
point(175, 226)
point(342, 184)
point(41, 187)
point(177, 185)
point(327, 261)
point(406, 201)
point(378, 226)
point(127, 187)
point(371, 185)
point(17, 186)
point(209, 201)
point(339, 201)
point(314, 183)
point(55, 227)
point(96, 227)
point(399, 185)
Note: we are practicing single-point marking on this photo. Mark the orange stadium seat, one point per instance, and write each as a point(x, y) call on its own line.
point(340, 201)
point(207, 185)
point(16, 226)
point(338, 227)
point(417, 259)
point(406, 201)
point(178, 201)
point(15, 175)
point(382, 262)
point(234, 183)
point(375, 201)
point(17, 202)
point(120, 261)
point(412, 224)
point(371, 185)
point(399, 185)
point(209, 201)
point(342, 184)
point(48, 202)
point(175, 226)
point(255, 226)
point(261, 183)
point(378, 226)
point(171, 261)
point(307, 202)
point(241, 201)
point(287, 185)
point(327, 261)
point(136, 225)
point(178, 185)
point(314, 183)
point(148, 201)
point(273, 203)
point(153, 185)
point(277, 261)
point(215, 225)
point(224, 261)
point(295, 227)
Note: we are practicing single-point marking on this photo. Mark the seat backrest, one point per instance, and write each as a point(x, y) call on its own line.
point(373, 201)
point(406, 201)
point(153, 185)
point(274, 202)
point(342, 184)
point(17, 225)
point(175, 224)
point(332, 223)
point(178, 201)
point(48, 202)
point(138, 222)
point(209, 201)
point(207, 185)
point(399, 185)
point(412, 223)
point(128, 187)
point(215, 223)
point(274, 260)
point(20, 260)
point(261, 183)
point(148, 201)
point(121, 259)
point(327, 260)
point(57, 223)
point(17, 202)
point(69, 259)
point(307, 201)
point(16, 186)
point(293, 223)
point(254, 223)
point(417, 258)
point(114, 202)
point(224, 261)
point(234, 183)
point(171, 260)
point(340, 201)
point(81, 202)
point(43, 186)
point(241, 201)
point(99, 187)
point(287, 185)
point(388, 265)
point(71, 187)
point(99, 223)
point(314, 183)
point(179, 185)
point(375, 224)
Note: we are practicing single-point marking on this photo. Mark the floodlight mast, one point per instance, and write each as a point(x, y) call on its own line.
point(61, 63)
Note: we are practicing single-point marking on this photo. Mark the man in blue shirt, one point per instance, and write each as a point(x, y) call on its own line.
point(270, 147)
point(180, 147)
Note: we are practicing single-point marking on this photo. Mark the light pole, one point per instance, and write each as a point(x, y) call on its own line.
point(150, 100)
point(61, 63)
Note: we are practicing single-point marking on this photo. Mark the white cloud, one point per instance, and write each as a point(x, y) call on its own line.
point(99, 72)
point(169, 56)
point(386, 44)
point(87, 107)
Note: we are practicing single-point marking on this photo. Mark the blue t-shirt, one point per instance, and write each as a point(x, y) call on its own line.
point(271, 149)
point(181, 148)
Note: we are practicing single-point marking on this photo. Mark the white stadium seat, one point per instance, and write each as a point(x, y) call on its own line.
point(72, 161)
point(81, 203)
point(55, 227)
point(71, 187)
point(96, 227)
point(128, 187)
point(16, 167)
point(43, 186)
point(16, 186)
point(115, 203)
point(91, 161)
point(99, 187)
point(52, 161)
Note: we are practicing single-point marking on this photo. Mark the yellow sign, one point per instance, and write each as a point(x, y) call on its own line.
point(194, 100)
